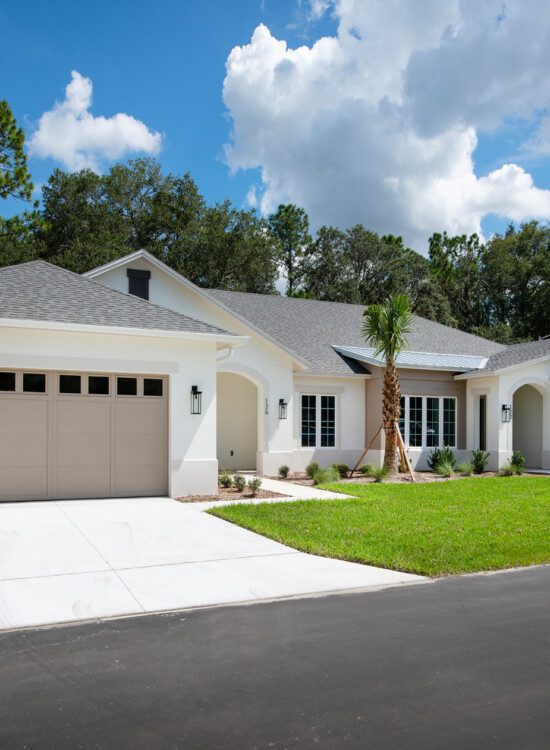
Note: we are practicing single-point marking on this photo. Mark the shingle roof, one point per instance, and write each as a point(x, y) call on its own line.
point(311, 328)
point(40, 291)
point(517, 354)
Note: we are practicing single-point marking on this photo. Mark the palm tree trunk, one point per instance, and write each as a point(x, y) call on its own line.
point(390, 411)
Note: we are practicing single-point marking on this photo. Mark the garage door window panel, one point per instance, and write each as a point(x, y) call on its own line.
point(34, 382)
point(7, 381)
point(70, 384)
point(98, 385)
point(153, 387)
point(126, 387)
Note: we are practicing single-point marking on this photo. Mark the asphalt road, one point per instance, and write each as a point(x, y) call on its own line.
point(459, 663)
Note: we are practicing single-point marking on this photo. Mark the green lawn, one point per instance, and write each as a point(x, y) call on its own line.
point(438, 528)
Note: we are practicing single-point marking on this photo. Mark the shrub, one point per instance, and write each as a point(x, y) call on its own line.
point(517, 462)
point(441, 455)
point(444, 468)
point(479, 461)
point(284, 471)
point(379, 473)
point(326, 476)
point(366, 469)
point(466, 468)
point(507, 471)
point(254, 485)
point(225, 480)
point(239, 482)
point(312, 469)
point(342, 469)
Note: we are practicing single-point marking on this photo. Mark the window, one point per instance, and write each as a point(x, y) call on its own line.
point(428, 421)
point(69, 384)
point(34, 382)
point(7, 381)
point(402, 417)
point(483, 423)
point(415, 421)
point(309, 421)
point(449, 422)
point(98, 385)
point(318, 421)
point(152, 386)
point(328, 421)
point(138, 282)
point(126, 386)
point(432, 422)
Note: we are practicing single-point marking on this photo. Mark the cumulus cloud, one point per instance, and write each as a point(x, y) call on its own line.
point(71, 135)
point(379, 123)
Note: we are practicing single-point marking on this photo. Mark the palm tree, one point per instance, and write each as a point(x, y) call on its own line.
point(385, 327)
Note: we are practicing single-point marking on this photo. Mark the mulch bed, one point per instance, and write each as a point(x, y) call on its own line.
point(358, 478)
point(229, 494)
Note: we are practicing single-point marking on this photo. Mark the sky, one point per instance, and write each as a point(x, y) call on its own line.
point(409, 116)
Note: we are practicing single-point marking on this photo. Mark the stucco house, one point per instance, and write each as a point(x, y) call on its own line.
point(130, 380)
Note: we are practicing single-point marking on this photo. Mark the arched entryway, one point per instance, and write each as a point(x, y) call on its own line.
point(527, 424)
point(237, 422)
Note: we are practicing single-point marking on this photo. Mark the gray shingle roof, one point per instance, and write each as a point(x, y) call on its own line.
point(310, 328)
point(517, 354)
point(41, 291)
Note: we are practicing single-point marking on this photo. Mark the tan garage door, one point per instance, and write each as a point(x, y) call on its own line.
point(82, 435)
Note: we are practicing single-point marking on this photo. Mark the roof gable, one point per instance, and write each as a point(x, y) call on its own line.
point(40, 291)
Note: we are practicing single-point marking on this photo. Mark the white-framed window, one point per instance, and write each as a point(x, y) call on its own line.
point(318, 420)
point(428, 421)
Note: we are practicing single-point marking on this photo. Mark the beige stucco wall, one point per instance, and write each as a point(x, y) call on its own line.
point(237, 422)
point(527, 426)
point(412, 383)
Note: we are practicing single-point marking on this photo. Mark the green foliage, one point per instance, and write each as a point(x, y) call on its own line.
point(312, 468)
point(507, 471)
point(284, 471)
point(379, 473)
point(342, 469)
point(518, 462)
point(444, 468)
point(254, 485)
point(441, 455)
point(366, 469)
point(386, 326)
point(290, 226)
point(479, 461)
point(325, 476)
point(239, 482)
point(466, 468)
point(225, 480)
point(15, 179)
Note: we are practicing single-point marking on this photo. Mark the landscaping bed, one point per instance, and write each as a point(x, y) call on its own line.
point(230, 493)
point(359, 478)
point(434, 528)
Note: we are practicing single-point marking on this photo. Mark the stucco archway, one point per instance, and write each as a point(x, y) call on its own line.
point(237, 422)
point(527, 420)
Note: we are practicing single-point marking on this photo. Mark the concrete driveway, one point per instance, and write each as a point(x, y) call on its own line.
point(85, 559)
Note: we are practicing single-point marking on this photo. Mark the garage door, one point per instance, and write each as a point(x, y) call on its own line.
point(66, 434)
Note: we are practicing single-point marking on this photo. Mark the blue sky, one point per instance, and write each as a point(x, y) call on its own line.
point(328, 139)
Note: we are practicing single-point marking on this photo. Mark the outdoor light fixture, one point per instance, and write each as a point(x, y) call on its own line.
point(506, 412)
point(196, 400)
point(282, 408)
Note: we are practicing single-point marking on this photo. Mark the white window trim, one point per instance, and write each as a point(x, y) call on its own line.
point(424, 445)
point(318, 446)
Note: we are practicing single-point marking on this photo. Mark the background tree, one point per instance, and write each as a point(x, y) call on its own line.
point(15, 180)
point(385, 327)
point(290, 226)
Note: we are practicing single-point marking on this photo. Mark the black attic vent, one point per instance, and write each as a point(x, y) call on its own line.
point(138, 282)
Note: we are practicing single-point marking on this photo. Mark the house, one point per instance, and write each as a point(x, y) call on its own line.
point(130, 380)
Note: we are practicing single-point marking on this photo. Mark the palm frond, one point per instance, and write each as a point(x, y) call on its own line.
point(385, 327)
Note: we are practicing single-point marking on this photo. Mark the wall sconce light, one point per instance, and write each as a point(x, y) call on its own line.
point(506, 413)
point(196, 400)
point(282, 408)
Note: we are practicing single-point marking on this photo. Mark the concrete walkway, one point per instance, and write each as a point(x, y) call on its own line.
point(85, 559)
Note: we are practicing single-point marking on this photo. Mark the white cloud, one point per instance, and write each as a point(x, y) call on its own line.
point(378, 124)
point(70, 134)
point(539, 143)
